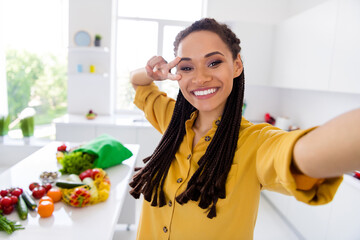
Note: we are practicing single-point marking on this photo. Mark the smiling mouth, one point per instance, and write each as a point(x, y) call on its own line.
point(205, 92)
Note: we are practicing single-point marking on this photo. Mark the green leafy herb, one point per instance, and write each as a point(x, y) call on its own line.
point(77, 162)
point(8, 226)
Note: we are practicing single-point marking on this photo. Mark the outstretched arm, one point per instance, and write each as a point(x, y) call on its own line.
point(156, 69)
point(332, 149)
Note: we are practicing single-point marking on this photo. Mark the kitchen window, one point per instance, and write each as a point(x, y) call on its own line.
point(143, 33)
point(34, 53)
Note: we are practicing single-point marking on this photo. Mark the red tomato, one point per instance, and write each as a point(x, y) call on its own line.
point(85, 174)
point(14, 199)
point(16, 192)
point(47, 186)
point(8, 210)
point(38, 192)
point(62, 148)
point(33, 185)
point(4, 193)
point(6, 201)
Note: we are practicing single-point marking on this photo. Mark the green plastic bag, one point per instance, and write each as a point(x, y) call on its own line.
point(4, 125)
point(27, 126)
point(109, 151)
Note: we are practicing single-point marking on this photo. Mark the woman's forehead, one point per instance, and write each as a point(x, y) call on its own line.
point(201, 42)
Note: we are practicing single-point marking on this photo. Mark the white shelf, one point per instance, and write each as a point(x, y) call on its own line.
point(88, 75)
point(89, 49)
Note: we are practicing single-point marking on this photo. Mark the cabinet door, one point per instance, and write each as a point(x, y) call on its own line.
point(346, 62)
point(148, 138)
point(304, 48)
point(344, 220)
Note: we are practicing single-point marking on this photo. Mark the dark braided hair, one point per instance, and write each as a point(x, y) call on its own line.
point(207, 184)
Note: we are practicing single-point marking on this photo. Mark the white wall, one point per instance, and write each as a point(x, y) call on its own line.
point(254, 23)
point(309, 108)
point(306, 108)
point(255, 11)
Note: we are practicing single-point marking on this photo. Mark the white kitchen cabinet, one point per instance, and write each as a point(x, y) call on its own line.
point(310, 221)
point(344, 218)
point(335, 220)
point(303, 48)
point(345, 71)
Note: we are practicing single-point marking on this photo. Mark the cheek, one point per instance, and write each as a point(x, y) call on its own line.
point(183, 83)
point(183, 91)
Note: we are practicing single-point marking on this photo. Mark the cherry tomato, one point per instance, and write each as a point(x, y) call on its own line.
point(16, 192)
point(6, 201)
point(47, 186)
point(8, 210)
point(33, 185)
point(4, 193)
point(38, 192)
point(14, 199)
point(62, 148)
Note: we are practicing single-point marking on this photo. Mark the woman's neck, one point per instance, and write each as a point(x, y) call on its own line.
point(202, 125)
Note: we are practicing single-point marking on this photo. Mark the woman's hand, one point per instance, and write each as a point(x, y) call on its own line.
point(156, 69)
point(159, 69)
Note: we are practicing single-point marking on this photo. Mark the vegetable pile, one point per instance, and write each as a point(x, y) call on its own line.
point(11, 199)
point(90, 187)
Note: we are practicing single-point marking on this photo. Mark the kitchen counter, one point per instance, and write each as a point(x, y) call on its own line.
point(92, 222)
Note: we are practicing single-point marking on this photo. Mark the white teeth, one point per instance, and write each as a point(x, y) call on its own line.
point(205, 92)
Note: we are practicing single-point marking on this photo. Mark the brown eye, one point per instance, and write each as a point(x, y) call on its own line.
point(185, 69)
point(215, 63)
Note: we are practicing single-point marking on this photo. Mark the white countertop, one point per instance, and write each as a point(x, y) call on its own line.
point(92, 222)
point(130, 120)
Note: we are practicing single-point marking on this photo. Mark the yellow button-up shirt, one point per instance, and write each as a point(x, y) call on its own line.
point(262, 161)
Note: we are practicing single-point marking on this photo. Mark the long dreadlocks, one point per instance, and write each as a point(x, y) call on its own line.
point(207, 184)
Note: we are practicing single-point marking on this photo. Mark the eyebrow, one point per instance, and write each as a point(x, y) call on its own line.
point(206, 56)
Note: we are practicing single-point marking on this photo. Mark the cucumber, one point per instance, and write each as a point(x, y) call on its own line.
point(30, 202)
point(67, 184)
point(21, 208)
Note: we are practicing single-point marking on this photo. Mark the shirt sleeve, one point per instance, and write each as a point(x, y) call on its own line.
point(275, 168)
point(156, 105)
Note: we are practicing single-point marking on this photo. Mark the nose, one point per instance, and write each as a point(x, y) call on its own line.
point(201, 77)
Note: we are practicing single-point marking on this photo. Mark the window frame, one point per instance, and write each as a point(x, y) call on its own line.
point(161, 23)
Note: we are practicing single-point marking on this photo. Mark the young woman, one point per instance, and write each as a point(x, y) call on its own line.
point(203, 181)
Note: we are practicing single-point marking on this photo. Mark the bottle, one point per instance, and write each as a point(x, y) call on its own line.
point(92, 69)
point(79, 68)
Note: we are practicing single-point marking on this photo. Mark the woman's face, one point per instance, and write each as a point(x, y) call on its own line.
point(207, 70)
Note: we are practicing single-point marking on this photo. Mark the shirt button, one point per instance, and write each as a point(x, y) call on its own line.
point(217, 122)
point(170, 203)
point(189, 156)
point(179, 180)
point(207, 138)
point(165, 229)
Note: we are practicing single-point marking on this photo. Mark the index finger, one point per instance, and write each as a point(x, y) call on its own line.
point(174, 62)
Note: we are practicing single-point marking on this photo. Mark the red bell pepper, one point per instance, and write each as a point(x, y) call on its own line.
point(80, 197)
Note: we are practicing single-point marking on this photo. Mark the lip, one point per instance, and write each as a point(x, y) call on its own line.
point(205, 92)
